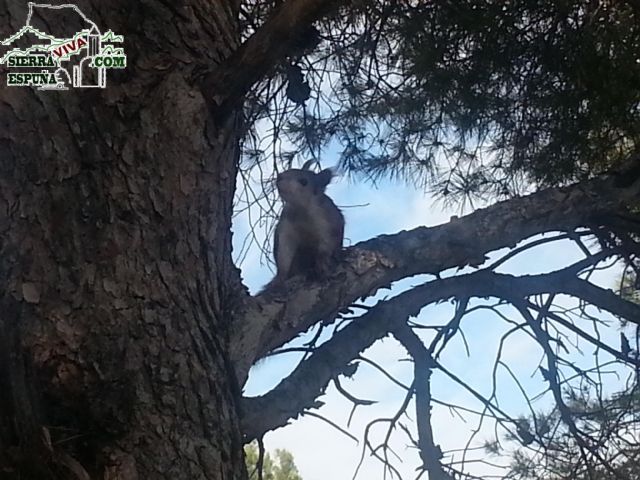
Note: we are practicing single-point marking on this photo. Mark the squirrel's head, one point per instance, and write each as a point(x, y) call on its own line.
point(300, 186)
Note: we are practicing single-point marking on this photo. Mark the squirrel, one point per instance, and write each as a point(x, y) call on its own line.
point(309, 233)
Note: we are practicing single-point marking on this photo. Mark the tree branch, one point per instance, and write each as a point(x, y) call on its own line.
point(552, 376)
point(423, 363)
point(589, 338)
point(308, 381)
point(268, 321)
point(261, 52)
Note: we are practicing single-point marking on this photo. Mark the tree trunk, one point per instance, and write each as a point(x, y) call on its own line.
point(115, 257)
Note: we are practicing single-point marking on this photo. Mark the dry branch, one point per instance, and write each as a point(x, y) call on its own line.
point(301, 389)
point(430, 453)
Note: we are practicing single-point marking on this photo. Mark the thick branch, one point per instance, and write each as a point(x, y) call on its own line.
point(261, 52)
point(264, 323)
point(307, 382)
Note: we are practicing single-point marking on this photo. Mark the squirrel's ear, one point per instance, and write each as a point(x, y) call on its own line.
point(324, 177)
point(307, 164)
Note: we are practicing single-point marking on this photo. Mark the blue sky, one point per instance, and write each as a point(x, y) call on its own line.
point(320, 451)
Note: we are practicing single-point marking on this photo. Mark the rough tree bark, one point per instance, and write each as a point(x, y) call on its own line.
point(117, 286)
point(115, 266)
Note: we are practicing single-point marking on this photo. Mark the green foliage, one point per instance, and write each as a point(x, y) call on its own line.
point(502, 92)
point(281, 468)
point(610, 442)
